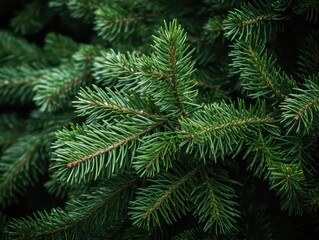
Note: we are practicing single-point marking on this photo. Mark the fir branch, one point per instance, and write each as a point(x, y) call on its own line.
point(105, 104)
point(60, 48)
point(301, 109)
point(242, 23)
point(16, 51)
point(117, 69)
point(214, 207)
point(190, 234)
point(107, 148)
point(64, 88)
point(31, 18)
point(289, 183)
point(84, 57)
point(311, 197)
point(220, 128)
point(301, 150)
point(262, 154)
point(258, 73)
point(157, 151)
point(16, 83)
point(164, 200)
point(213, 28)
point(115, 21)
point(308, 62)
point(227, 125)
point(84, 9)
point(171, 63)
point(57, 86)
point(89, 212)
point(25, 160)
point(310, 8)
point(20, 166)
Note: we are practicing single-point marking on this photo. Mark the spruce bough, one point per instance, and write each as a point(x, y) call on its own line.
point(155, 140)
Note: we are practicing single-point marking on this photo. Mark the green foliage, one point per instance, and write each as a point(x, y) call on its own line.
point(251, 20)
point(308, 59)
point(58, 85)
point(301, 109)
point(116, 69)
point(219, 129)
point(84, 214)
point(31, 18)
point(257, 71)
point(18, 82)
point(162, 201)
point(16, 51)
point(205, 133)
point(214, 205)
point(288, 181)
point(309, 9)
point(25, 159)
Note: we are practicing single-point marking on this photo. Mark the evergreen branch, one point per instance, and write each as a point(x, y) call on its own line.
point(86, 214)
point(171, 63)
point(31, 18)
point(301, 109)
point(258, 73)
point(106, 104)
point(301, 150)
point(289, 183)
point(164, 200)
point(19, 166)
point(248, 20)
point(310, 8)
point(173, 79)
point(25, 160)
point(220, 128)
point(117, 69)
point(214, 207)
point(106, 148)
point(60, 48)
point(64, 88)
point(6, 139)
point(57, 86)
point(114, 21)
point(306, 107)
point(263, 153)
point(213, 28)
point(84, 57)
point(14, 51)
point(227, 125)
point(16, 83)
point(309, 56)
point(84, 9)
point(157, 151)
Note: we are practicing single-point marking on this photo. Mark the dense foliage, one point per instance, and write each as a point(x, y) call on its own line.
point(159, 119)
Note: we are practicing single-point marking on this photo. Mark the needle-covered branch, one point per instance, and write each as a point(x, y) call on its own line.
point(220, 129)
point(100, 207)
